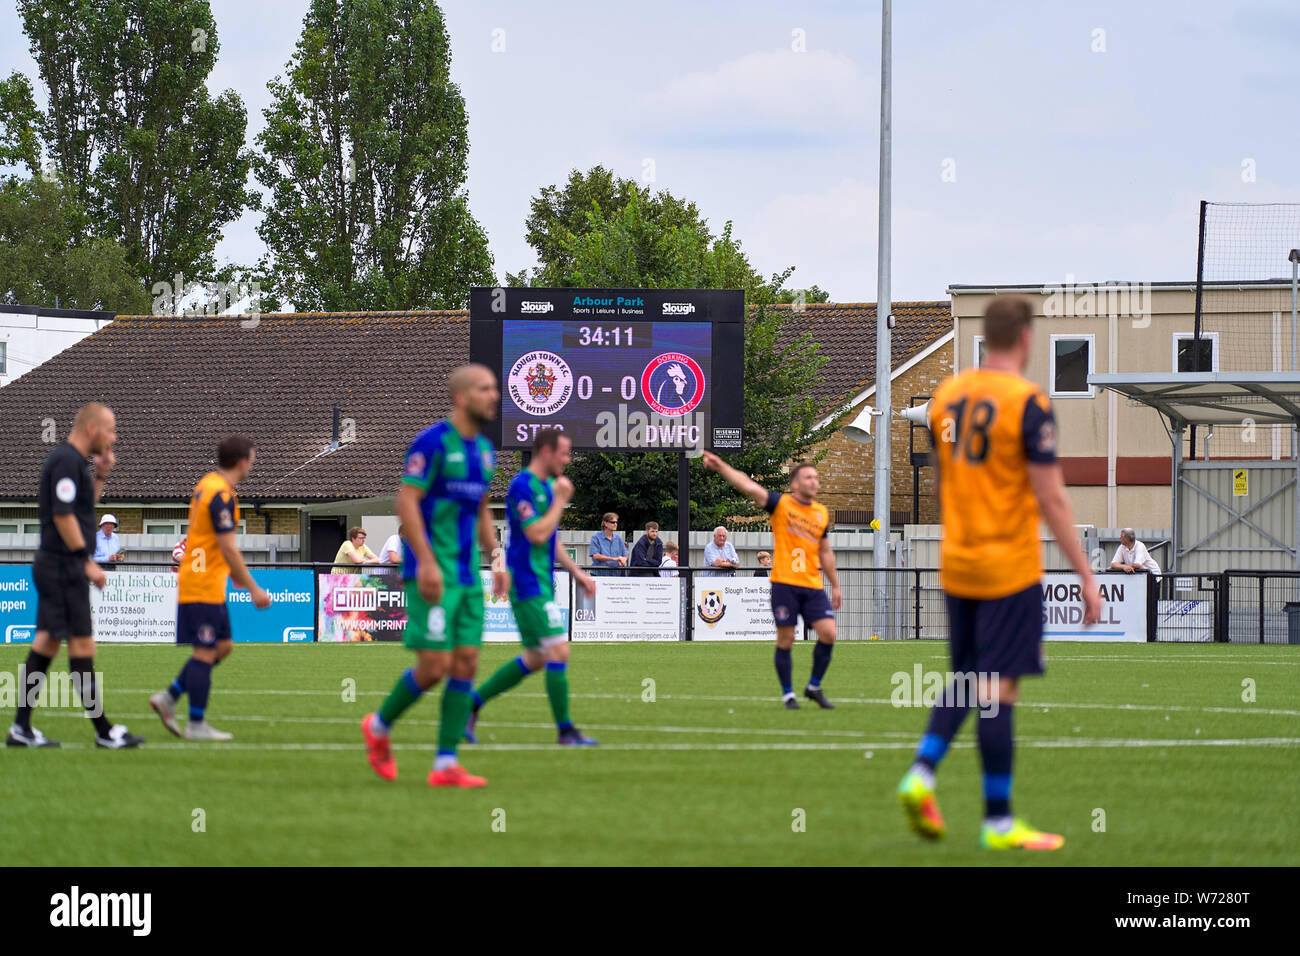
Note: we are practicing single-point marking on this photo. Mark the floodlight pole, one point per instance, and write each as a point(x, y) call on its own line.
point(1295, 274)
point(880, 538)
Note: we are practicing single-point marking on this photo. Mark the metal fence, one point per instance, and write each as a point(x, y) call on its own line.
point(1241, 607)
point(1260, 607)
point(1237, 606)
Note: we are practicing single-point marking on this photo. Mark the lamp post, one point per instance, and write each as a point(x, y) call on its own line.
point(884, 322)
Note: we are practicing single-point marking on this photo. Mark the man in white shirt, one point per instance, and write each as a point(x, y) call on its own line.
point(1132, 555)
point(108, 546)
point(720, 558)
point(391, 552)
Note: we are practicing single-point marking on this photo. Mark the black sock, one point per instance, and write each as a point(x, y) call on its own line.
point(30, 682)
point(784, 670)
point(87, 684)
point(197, 684)
point(997, 748)
point(821, 661)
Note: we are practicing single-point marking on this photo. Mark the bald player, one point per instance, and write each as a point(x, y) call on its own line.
point(442, 502)
point(63, 573)
point(802, 551)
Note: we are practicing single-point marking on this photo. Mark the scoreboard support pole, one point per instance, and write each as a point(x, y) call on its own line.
point(684, 533)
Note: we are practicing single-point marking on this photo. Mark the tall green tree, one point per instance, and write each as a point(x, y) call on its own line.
point(130, 129)
point(556, 215)
point(46, 259)
point(628, 248)
point(364, 156)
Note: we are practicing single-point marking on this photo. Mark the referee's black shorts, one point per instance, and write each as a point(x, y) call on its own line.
point(62, 595)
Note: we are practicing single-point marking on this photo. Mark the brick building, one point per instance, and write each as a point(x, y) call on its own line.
point(178, 384)
point(922, 357)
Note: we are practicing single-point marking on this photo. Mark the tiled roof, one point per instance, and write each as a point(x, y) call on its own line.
point(178, 384)
point(846, 335)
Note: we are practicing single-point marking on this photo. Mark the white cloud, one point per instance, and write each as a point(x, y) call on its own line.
point(786, 96)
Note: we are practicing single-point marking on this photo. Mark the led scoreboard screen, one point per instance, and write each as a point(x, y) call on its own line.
point(616, 369)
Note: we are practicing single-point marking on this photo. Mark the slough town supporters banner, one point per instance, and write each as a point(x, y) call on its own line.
point(733, 609)
point(372, 607)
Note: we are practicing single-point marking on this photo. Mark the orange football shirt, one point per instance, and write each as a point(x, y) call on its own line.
point(214, 510)
point(797, 531)
point(988, 425)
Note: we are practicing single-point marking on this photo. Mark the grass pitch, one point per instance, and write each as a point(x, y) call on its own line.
point(1138, 754)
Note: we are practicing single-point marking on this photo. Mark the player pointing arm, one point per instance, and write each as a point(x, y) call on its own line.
point(800, 525)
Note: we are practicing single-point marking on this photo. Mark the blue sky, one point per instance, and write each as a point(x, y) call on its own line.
point(1067, 160)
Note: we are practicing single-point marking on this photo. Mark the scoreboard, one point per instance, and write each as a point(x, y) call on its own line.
point(616, 369)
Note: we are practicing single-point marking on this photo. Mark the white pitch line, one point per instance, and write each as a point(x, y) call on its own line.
point(1046, 743)
point(527, 725)
point(1180, 660)
point(1023, 705)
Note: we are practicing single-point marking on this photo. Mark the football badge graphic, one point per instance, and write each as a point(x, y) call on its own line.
point(711, 607)
point(540, 383)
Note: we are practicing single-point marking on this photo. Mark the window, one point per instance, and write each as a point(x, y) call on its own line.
point(1185, 349)
point(31, 527)
point(8, 529)
point(978, 351)
point(176, 527)
point(1071, 361)
point(3, 356)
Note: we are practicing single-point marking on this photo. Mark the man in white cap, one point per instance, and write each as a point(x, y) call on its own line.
point(108, 546)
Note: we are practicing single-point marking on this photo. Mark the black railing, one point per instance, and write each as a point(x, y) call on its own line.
point(1237, 606)
point(1260, 607)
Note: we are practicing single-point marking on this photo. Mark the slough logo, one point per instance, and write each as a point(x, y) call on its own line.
point(672, 384)
point(711, 607)
point(540, 383)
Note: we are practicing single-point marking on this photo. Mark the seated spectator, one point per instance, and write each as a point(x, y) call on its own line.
point(764, 564)
point(1132, 555)
point(178, 552)
point(720, 558)
point(648, 552)
point(353, 552)
point(608, 550)
point(668, 566)
point(391, 552)
point(108, 546)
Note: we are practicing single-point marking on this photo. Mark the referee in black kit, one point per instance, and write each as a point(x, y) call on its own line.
point(63, 572)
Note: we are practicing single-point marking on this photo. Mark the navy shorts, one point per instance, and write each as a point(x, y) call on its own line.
point(1001, 636)
point(790, 601)
point(202, 624)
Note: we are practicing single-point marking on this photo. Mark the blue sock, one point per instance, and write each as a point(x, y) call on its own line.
point(784, 670)
point(945, 721)
point(821, 661)
point(198, 682)
point(997, 748)
point(178, 685)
